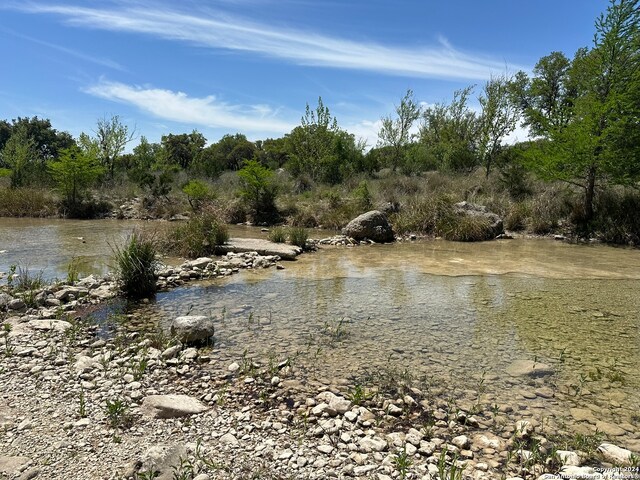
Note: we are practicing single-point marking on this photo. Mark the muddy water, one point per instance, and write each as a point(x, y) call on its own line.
point(455, 317)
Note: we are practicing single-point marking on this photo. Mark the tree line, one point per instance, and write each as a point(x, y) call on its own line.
point(583, 115)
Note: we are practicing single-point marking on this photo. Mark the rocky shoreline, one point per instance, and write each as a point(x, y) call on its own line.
point(76, 405)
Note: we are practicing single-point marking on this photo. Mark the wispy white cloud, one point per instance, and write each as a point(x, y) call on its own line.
point(215, 29)
point(206, 111)
point(105, 62)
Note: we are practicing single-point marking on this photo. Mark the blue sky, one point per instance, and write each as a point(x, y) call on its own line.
point(250, 66)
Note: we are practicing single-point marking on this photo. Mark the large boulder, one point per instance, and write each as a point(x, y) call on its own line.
point(372, 225)
point(472, 209)
point(192, 328)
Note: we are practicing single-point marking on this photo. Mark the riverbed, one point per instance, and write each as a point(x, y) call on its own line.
point(453, 318)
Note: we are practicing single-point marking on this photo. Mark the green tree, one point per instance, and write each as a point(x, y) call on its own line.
point(227, 154)
point(74, 173)
point(396, 132)
point(600, 142)
point(498, 118)
point(20, 155)
point(183, 149)
point(449, 134)
point(546, 100)
point(111, 138)
point(258, 190)
point(197, 192)
point(319, 149)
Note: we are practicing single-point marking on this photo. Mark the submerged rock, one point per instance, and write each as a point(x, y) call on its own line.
point(372, 225)
point(529, 368)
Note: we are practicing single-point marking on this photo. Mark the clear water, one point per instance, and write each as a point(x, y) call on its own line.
point(454, 314)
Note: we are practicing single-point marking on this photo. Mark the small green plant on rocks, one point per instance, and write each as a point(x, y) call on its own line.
point(82, 404)
point(117, 412)
point(402, 461)
point(358, 394)
point(73, 274)
point(9, 348)
point(448, 470)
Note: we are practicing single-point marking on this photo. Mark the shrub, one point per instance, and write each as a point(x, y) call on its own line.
point(197, 193)
point(199, 236)
point(362, 196)
point(136, 266)
point(516, 218)
point(278, 235)
point(26, 202)
point(423, 215)
point(258, 190)
point(298, 236)
point(465, 228)
point(617, 219)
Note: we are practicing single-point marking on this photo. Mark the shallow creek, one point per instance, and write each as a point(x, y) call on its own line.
point(452, 316)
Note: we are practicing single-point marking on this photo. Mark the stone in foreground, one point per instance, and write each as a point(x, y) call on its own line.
point(372, 225)
point(171, 406)
point(192, 328)
point(614, 454)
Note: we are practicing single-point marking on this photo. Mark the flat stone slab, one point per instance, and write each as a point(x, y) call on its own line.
point(13, 465)
point(263, 247)
point(528, 368)
point(171, 406)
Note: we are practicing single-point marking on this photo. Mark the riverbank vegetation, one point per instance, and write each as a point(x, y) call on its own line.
point(578, 173)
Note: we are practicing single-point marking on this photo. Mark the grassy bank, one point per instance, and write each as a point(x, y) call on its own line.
point(419, 204)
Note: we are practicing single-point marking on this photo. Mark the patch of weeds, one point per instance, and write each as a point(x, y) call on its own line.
point(358, 394)
point(336, 331)
point(277, 235)
point(73, 272)
point(402, 462)
point(136, 266)
point(24, 280)
point(247, 367)
point(587, 443)
point(298, 236)
point(146, 475)
point(9, 348)
point(449, 470)
point(200, 236)
point(118, 415)
point(139, 367)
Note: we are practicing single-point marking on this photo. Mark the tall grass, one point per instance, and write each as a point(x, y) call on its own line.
point(136, 266)
point(298, 236)
point(277, 235)
point(199, 236)
point(26, 202)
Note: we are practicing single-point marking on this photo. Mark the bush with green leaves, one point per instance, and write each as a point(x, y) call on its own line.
point(201, 235)
point(258, 191)
point(197, 193)
point(136, 266)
